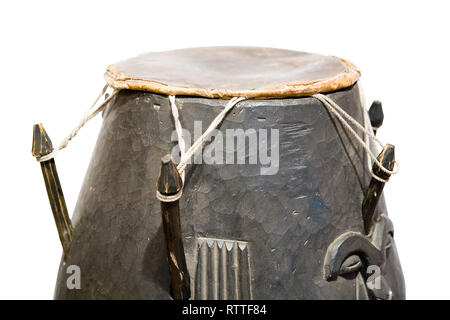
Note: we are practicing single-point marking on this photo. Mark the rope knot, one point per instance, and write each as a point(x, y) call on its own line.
point(169, 198)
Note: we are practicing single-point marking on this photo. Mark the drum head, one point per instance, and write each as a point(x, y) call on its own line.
point(224, 72)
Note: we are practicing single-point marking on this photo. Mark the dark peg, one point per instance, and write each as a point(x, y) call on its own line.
point(376, 115)
point(169, 181)
point(42, 146)
point(373, 194)
point(170, 184)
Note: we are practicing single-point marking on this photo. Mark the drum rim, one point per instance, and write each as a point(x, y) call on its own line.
point(119, 80)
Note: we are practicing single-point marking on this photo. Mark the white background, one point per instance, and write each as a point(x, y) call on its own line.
point(52, 59)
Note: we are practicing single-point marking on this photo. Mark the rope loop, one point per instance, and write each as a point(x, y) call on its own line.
point(340, 113)
point(185, 156)
point(171, 198)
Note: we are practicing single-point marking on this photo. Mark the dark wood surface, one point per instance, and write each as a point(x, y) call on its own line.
point(277, 228)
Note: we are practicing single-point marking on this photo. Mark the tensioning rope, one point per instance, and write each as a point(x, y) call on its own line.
point(186, 155)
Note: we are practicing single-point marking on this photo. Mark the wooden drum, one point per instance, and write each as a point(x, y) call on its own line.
point(277, 203)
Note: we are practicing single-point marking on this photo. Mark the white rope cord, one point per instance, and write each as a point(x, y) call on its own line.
point(335, 109)
point(179, 129)
point(87, 116)
point(182, 145)
point(328, 103)
point(199, 142)
point(186, 155)
point(164, 198)
point(366, 122)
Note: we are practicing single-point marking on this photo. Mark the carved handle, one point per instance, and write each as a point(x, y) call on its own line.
point(169, 184)
point(42, 145)
point(375, 189)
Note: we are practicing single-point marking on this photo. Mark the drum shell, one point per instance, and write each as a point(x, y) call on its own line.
point(287, 219)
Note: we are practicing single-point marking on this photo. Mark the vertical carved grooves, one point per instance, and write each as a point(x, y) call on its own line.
point(202, 272)
point(245, 271)
point(223, 270)
point(214, 269)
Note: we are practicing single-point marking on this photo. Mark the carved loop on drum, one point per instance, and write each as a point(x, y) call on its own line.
point(347, 244)
point(354, 252)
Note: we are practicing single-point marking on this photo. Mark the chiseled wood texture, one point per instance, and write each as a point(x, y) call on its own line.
point(224, 72)
point(42, 145)
point(288, 220)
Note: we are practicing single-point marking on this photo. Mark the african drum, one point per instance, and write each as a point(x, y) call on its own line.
point(280, 201)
